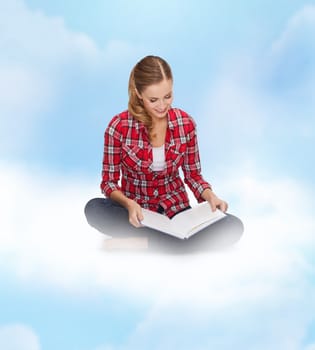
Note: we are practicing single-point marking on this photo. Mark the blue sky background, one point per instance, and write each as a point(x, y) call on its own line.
point(245, 71)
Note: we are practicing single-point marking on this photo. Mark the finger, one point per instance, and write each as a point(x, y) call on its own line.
point(134, 221)
point(140, 215)
point(212, 205)
point(136, 224)
point(223, 206)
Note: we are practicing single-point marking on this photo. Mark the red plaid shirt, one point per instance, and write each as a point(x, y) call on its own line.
point(128, 157)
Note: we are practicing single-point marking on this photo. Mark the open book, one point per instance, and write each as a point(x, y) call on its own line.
point(184, 224)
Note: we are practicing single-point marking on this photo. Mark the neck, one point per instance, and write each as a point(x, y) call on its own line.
point(158, 131)
point(159, 122)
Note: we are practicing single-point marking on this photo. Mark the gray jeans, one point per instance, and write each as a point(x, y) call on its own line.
point(109, 217)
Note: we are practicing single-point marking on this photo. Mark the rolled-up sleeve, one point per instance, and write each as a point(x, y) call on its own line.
point(111, 158)
point(191, 165)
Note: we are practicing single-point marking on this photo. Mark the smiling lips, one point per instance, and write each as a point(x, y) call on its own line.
point(161, 112)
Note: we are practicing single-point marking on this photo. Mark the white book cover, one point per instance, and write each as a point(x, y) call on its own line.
point(184, 224)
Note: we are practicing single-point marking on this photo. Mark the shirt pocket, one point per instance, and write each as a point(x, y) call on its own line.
point(134, 159)
point(175, 155)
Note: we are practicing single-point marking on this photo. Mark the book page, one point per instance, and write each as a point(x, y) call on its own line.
point(184, 224)
point(157, 221)
point(196, 218)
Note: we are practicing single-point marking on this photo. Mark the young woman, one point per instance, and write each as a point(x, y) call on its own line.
point(144, 149)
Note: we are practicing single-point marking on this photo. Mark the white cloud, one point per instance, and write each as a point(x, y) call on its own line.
point(24, 93)
point(38, 54)
point(34, 49)
point(300, 27)
point(48, 219)
point(45, 241)
point(48, 222)
point(262, 108)
point(18, 337)
point(274, 204)
point(34, 38)
point(260, 324)
point(291, 60)
point(44, 238)
point(255, 297)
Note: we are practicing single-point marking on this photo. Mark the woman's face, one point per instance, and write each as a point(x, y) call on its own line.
point(157, 99)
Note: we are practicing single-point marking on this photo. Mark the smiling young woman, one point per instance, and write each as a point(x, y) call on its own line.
point(156, 100)
point(145, 147)
point(150, 91)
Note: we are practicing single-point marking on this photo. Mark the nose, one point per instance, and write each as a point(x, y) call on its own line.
point(161, 104)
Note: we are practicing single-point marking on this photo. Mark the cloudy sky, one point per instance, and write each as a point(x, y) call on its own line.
point(245, 71)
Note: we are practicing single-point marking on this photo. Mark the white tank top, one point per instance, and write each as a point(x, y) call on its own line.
point(158, 163)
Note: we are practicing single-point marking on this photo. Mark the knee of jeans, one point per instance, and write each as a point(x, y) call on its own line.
point(238, 225)
point(90, 205)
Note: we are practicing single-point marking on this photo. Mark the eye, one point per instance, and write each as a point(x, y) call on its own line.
point(168, 96)
point(152, 100)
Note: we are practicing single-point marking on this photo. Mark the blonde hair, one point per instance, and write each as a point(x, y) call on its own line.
point(148, 71)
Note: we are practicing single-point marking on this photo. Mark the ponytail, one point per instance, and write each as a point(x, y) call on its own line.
point(135, 104)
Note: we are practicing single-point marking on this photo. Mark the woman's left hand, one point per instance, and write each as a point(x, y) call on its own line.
point(214, 201)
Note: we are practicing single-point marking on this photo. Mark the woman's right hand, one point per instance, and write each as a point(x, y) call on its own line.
point(135, 213)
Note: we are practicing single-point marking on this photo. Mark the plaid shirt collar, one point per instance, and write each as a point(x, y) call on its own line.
point(169, 141)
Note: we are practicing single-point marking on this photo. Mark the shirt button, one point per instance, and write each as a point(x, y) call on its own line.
point(156, 193)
